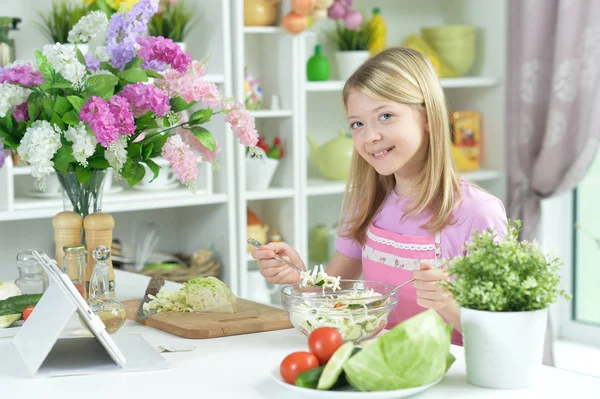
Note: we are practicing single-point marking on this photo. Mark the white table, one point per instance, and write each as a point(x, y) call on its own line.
point(240, 367)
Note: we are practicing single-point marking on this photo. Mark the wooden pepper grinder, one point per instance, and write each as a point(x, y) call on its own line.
point(98, 231)
point(67, 231)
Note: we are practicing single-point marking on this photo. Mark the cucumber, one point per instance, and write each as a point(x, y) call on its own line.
point(355, 333)
point(332, 374)
point(309, 378)
point(17, 304)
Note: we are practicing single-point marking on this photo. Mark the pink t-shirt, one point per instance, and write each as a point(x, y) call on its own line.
point(478, 210)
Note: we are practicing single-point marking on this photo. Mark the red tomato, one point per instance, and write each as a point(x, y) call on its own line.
point(323, 342)
point(296, 363)
point(27, 312)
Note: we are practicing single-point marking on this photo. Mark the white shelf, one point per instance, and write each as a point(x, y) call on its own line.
point(270, 193)
point(129, 200)
point(447, 83)
point(215, 78)
point(317, 186)
point(267, 113)
point(481, 175)
point(263, 30)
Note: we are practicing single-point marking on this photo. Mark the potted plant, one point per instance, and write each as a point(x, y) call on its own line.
point(81, 116)
point(351, 36)
point(262, 162)
point(504, 287)
point(61, 19)
point(172, 21)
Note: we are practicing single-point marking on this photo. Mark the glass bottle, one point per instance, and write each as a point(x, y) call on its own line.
point(32, 279)
point(110, 310)
point(74, 264)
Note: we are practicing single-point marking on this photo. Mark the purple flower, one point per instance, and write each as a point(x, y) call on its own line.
point(163, 50)
point(23, 74)
point(21, 113)
point(3, 153)
point(97, 113)
point(125, 28)
point(144, 97)
point(155, 65)
point(121, 111)
point(92, 63)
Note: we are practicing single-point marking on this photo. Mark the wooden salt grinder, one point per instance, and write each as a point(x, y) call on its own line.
point(98, 231)
point(67, 231)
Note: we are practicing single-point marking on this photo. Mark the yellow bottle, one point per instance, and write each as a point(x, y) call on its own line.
point(378, 32)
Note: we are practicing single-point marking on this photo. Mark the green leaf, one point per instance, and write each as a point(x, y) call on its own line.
point(8, 121)
point(57, 121)
point(83, 174)
point(134, 63)
point(80, 56)
point(9, 142)
point(157, 141)
point(62, 105)
point(63, 157)
point(101, 86)
point(147, 151)
point(152, 74)
point(44, 67)
point(146, 121)
point(97, 161)
point(33, 108)
point(48, 106)
point(201, 116)
point(154, 167)
point(133, 171)
point(205, 137)
point(76, 102)
point(71, 118)
point(62, 85)
point(134, 75)
point(135, 150)
point(178, 104)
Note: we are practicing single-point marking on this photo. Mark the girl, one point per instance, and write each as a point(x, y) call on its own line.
point(405, 209)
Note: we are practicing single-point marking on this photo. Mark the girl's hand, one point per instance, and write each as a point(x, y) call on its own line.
point(430, 293)
point(277, 272)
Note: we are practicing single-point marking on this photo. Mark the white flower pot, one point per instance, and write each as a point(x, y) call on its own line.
point(348, 61)
point(260, 171)
point(503, 349)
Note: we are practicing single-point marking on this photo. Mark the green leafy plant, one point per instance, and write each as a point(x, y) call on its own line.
point(57, 23)
point(274, 151)
point(506, 275)
point(172, 21)
point(352, 40)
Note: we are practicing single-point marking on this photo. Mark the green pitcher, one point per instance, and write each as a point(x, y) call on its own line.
point(318, 67)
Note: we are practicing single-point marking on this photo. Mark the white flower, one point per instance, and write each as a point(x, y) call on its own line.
point(116, 155)
point(101, 54)
point(88, 27)
point(38, 146)
point(10, 96)
point(64, 60)
point(84, 143)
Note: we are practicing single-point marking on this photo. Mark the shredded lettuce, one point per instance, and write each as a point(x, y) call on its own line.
point(202, 294)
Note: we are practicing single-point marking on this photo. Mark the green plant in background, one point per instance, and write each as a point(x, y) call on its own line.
point(505, 275)
point(352, 40)
point(110, 7)
point(172, 21)
point(57, 23)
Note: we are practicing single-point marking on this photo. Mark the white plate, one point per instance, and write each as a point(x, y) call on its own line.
point(158, 188)
point(12, 330)
point(351, 393)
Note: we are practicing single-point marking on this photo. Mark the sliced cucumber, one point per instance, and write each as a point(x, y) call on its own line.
point(8, 320)
point(334, 367)
point(309, 378)
point(355, 333)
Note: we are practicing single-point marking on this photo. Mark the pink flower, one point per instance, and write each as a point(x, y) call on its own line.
point(22, 74)
point(121, 111)
point(241, 123)
point(21, 113)
point(146, 97)
point(190, 86)
point(182, 160)
point(155, 48)
point(97, 113)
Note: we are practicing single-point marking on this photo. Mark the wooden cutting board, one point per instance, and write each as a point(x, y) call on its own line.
point(250, 317)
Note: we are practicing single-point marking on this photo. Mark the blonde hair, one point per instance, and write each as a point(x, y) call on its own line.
point(402, 75)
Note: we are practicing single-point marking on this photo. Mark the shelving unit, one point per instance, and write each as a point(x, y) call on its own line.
point(447, 83)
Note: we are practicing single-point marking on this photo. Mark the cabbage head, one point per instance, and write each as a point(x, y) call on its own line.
point(413, 353)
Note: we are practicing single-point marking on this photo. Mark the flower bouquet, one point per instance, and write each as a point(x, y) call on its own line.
point(116, 108)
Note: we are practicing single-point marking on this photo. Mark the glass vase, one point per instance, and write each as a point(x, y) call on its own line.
point(82, 198)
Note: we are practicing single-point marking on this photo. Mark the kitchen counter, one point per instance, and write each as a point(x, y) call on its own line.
point(239, 367)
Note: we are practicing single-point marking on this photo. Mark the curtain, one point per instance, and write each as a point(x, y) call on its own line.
point(553, 107)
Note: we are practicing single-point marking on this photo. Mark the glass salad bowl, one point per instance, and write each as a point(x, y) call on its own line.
point(359, 309)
